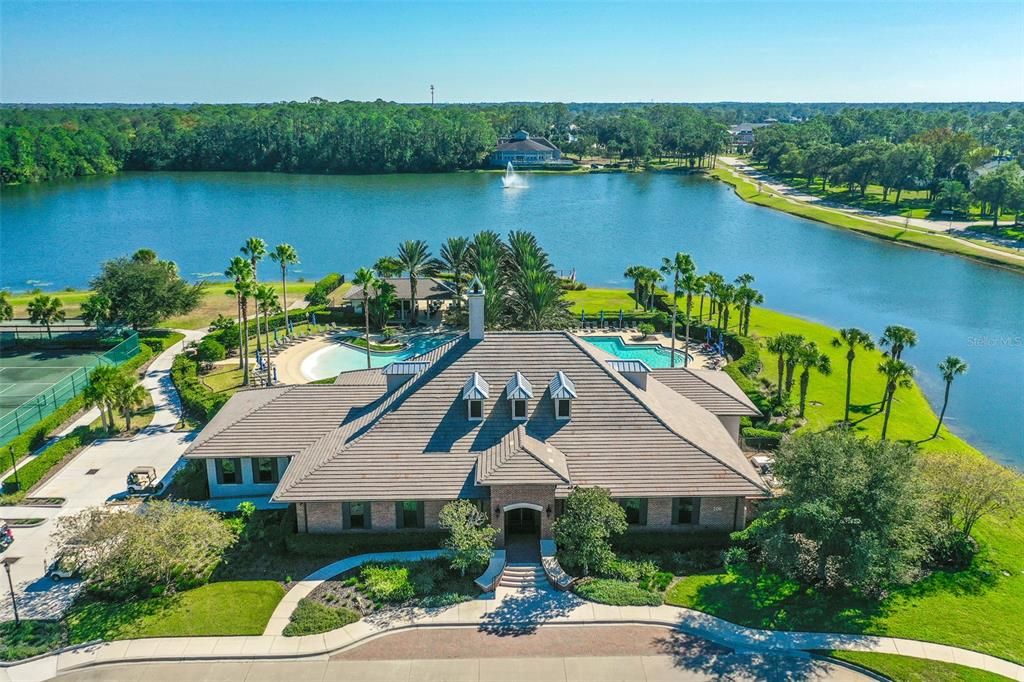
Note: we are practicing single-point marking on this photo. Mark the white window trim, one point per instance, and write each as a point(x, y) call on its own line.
point(557, 415)
point(526, 410)
point(469, 410)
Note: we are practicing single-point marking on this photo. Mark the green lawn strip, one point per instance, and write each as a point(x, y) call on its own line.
point(908, 669)
point(617, 592)
point(312, 618)
point(217, 609)
point(160, 339)
point(593, 301)
point(31, 638)
point(748, 192)
point(216, 302)
point(376, 347)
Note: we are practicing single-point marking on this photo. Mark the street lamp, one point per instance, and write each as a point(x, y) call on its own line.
point(14, 465)
point(10, 583)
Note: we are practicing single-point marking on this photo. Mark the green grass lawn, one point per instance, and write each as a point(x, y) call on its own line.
point(977, 608)
point(592, 301)
point(31, 638)
point(748, 192)
point(223, 379)
point(225, 608)
point(907, 669)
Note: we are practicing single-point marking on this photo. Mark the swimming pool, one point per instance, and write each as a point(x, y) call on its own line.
point(653, 354)
point(331, 361)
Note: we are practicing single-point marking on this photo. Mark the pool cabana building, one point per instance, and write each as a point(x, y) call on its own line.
point(432, 295)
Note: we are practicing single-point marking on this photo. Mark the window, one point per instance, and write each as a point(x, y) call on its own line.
point(229, 471)
point(476, 410)
point(563, 409)
point(559, 507)
point(685, 510)
point(409, 514)
point(519, 409)
point(636, 510)
point(356, 515)
point(264, 470)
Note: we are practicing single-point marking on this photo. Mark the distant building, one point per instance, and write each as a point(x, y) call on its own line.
point(743, 135)
point(522, 149)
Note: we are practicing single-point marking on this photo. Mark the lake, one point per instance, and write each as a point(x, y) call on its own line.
point(55, 235)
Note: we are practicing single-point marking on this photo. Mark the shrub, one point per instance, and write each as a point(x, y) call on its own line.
point(734, 558)
point(764, 439)
point(658, 582)
point(319, 295)
point(658, 542)
point(584, 530)
point(646, 329)
point(351, 544)
point(211, 350)
point(198, 401)
point(312, 618)
point(630, 571)
point(616, 593)
point(696, 561)
point(389, 583)
point(191, 481)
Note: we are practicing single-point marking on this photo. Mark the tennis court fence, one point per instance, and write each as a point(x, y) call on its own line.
point(46, 402)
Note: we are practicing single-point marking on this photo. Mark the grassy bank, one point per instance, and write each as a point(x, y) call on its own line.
point(747, 191)
point(907, 669)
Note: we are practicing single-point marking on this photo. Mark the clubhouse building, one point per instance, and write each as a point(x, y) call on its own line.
point(511, 420)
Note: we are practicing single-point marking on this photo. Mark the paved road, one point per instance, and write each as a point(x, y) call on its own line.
point(95, 476)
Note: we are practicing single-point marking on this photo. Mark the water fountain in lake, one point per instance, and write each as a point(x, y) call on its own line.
point(511, 179)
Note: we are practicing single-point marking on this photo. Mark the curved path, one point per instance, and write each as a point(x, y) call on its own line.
point(505, 613)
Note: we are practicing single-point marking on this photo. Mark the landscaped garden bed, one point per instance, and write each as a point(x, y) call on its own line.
point(376, 588)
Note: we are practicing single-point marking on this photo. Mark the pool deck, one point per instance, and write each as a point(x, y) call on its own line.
point(700, 358)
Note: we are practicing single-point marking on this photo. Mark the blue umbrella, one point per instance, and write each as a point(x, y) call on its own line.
point(583, 316)
point(259, 360)
point(313, 315)
point(601, 320)
point(707, 335)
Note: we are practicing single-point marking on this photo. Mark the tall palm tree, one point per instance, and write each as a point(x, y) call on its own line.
point(387, 266)
point(691, 285)
point(240, 270)
point(455, 254)
point(712, 281)
point(266, 296)
point(488, 263)
point(46, 310)
point(127, 396)
point(851, 338)
point(536, 300)
point(365, 278)
point(635, 273)
point(284, 255)
point(256, 250)
point(726, 297)
point(776, 345)
point(99, 392)
point(897, 338)
point(810, 357)
point(416, 262)
point(796, 341)
point(897, 374)
point(676, 267)
point(6, 309)
point(951, 368)
point(651, 279)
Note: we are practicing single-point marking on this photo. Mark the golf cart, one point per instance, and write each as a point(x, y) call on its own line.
point(61, 569)
point(6, 535)
point(143, 480)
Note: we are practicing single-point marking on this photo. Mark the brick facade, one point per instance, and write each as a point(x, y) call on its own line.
point(504, 495)
point(323, 517)
point(716, 513)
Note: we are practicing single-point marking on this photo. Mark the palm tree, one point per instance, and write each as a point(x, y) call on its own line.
point(256, 249)
point(781, 345)
point(536, 300)
point(897, 374)
point(851, 337)
point(650, 278)
point(455, 254)
point(416, 262)
point(266, 296)
point(691, 285)
point(712, 281)
point(284, 255)
point(678, 266)
point(99, 392)
point(6, 309)
point(46, 310)
point(810, 358)
point(387, 266)
point(127, 396)
point(635, 273)
point(792, 351)
point(898, 338)
point(240, 270)
point(950, 368)
point(365, 278)
point(726, 296)
point(488, 263)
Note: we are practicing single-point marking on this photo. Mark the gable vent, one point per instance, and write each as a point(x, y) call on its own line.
point(635, 371)
point(398, 373)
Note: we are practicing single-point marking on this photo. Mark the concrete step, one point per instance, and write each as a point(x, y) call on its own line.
point(522, 576)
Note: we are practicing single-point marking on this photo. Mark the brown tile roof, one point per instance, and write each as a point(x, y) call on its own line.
point(520, 459)
point(417, 443)
point(715, 391)
point(426, 288)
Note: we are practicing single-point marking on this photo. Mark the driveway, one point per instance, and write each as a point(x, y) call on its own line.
point(96, 476)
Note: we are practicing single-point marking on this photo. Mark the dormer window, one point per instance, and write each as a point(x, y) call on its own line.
point(563, 392)
point(518, 390)
point(474, 392)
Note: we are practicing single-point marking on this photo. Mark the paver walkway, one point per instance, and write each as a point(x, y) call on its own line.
point(92, 478)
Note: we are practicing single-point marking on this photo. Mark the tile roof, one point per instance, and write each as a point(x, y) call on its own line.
point(520, 459)
point(426, 288)
point(416, 443)
point(715, 391)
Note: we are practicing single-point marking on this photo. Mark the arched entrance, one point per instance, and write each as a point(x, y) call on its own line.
point(522, 532)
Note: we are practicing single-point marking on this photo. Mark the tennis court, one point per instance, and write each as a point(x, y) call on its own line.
point(35, 381)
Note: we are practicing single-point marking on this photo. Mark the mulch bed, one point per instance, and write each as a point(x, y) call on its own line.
point(334, 592)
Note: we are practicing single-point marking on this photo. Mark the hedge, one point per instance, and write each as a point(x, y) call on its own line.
point(351, 544)
point(321, 291)
point(34, 471)
point(616, 592)
point(36, 435)
point(761, 438)
point(197, 400)
point(160, 340)
point(653, 542)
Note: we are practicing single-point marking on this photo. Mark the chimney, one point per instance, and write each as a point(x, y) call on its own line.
point(476, 310)
point(634, 371)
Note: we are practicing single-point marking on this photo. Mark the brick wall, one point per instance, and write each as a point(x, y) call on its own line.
point(659, 513)
point(716, 513)
point(431, 508)
point(503, 495)
point(323, 517)
point(382, 515)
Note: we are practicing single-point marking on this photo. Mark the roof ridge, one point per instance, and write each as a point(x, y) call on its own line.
point(566, 477)
point(633, 392)
point(287, 389)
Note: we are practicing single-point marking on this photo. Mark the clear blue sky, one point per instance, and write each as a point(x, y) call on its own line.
point(95, 51)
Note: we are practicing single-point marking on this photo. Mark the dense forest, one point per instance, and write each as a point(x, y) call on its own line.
point(42, 143)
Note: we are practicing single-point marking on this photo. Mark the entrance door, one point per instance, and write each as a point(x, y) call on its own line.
point(522, 536)
point(522, 522)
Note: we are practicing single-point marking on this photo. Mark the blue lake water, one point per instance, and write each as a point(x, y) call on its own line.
point(596, 224)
